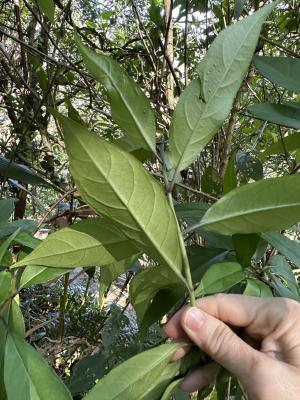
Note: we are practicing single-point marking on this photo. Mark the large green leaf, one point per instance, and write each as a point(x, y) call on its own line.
point(117, 185)
point(289, 248)
point(6, 209)
point(88, 243)
point(220, 277)
point(281, 70)
point(144, 376)
point(27, 376)
point(11, 169)
point(270, 204)
point(130, 107)
point(287, 114)
point(207, 101)
point(288, 143)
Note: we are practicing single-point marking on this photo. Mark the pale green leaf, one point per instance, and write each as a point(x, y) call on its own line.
point(287, 144)
point(139, 377)
point(130, 107)
point(36, 274)
point(207, 101)
point(27, 376)
point(287, 247)
point(287, 114)
point(117, 185)
point(88, 243)
point(47, 7)
point(281, 70)
point(220, 277)
point(257, 288)
point(16, 321)
point(265, 205)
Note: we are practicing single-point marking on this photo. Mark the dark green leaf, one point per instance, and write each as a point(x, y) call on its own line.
point(257, 288)
point(88, 243)
point(6, 208)
point(281, 70)
point(249, 166)
point(229, 181)
point(220, 277)
point(5, 285)
point(282, 114)
point(27, 376)
point(238, 8)
point(289, 248)
point(207, 101)
point(245, 246)
point(20, 172)
point(9, 228)
point(119, 187)
point(265, 205)
point(129, 106)
point(283, 277)
point(6, 243)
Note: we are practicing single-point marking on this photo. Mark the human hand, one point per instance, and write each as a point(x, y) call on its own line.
point(265, 359)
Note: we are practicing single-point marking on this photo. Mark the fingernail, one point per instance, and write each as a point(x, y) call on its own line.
point(194, 319)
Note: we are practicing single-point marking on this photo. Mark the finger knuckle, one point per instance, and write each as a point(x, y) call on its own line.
point(221, 341)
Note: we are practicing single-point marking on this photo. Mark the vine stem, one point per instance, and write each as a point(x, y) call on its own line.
point(185, 261)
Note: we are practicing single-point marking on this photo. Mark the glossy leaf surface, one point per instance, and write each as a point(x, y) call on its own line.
point(130, 107)
point(34, 379)
point(118, 186)
point(281, 70)
point(244, 211)
point(220, 277)
point(206, 102)
point(88, 243)
point(282, 114)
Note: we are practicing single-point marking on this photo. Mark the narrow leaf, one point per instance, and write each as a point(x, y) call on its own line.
point(282, 114)
point(244, 211)
point(129, 106)
point(287, 247)
point(118, 186)
point(88, 243)
point(6, 209)
point(281, 70)
point(207, 101)
point(27, 376)
point(220, 277)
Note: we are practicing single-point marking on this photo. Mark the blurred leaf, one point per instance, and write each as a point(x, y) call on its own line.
point(11, 169)
point(243, 211)
point(287, 114)
point(249, 166)
point(6, 208)
point(245, 246)
point(220, 277)
point(257, 288)
point(288, 143)
point(25, 225)
point(47, 7)
point(35, 274)
point(281, 70)
point(5, 285)
point(229, 181)
point(129, 105)
point(238, 8)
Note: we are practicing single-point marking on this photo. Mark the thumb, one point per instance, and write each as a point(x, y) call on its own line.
point(217, 340)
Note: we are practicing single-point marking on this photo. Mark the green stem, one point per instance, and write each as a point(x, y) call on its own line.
point(185, 261)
